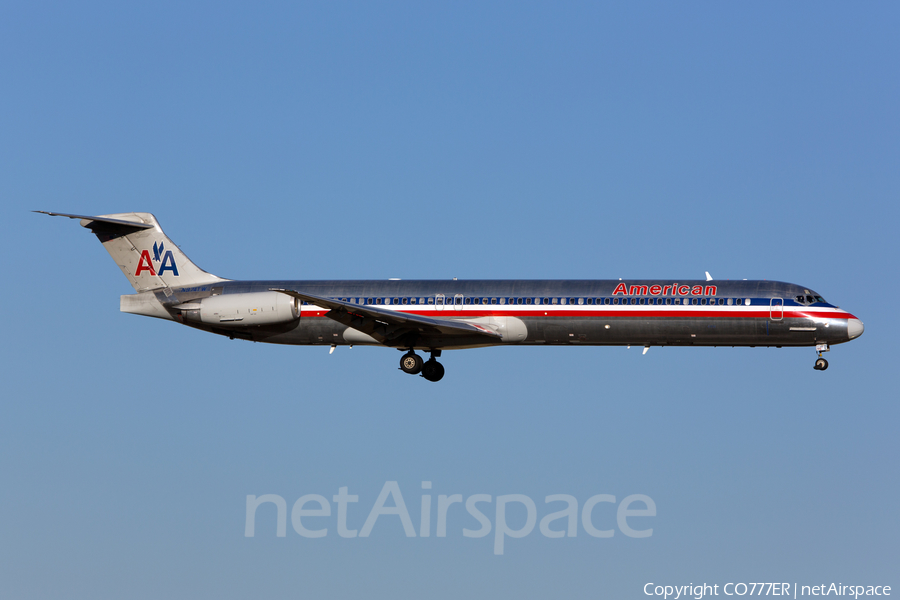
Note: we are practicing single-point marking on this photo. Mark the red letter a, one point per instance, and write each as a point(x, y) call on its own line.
point(144, 264)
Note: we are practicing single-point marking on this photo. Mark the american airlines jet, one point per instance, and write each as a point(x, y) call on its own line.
point(432, 316)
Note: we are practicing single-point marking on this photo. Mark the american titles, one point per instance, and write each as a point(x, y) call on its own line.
point(665, 290)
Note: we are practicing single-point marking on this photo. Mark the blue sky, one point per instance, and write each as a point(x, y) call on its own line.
point(481, 140)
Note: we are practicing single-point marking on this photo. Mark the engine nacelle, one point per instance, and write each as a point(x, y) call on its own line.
point(243, 310)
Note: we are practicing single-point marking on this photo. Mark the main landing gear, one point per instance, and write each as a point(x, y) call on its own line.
point(413, 364)
point(821, 363)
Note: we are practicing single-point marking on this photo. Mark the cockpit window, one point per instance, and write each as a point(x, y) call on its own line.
point(810, 299)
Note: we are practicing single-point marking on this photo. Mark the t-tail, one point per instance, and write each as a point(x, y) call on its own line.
point(148, 258)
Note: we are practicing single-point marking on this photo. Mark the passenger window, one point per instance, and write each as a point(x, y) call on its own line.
point(431, 301)
point(747, 301)
point(406, 301)
point(493, 301)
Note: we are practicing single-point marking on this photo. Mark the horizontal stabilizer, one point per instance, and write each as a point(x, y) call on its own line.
point(135, 225)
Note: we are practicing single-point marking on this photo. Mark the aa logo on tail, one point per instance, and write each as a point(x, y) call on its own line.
point(164, 258)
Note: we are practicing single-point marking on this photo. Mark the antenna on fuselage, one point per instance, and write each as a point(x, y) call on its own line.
point(708, 276)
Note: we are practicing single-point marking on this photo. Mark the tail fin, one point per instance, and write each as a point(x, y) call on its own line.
point(149, 259)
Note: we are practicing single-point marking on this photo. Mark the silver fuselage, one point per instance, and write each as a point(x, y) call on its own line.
point(557, 312)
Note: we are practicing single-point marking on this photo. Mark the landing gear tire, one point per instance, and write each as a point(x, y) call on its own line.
point(821, 364)
point(433, 370)
point(411, 363)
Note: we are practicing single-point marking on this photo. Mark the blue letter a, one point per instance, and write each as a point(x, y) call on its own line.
point(168, 264)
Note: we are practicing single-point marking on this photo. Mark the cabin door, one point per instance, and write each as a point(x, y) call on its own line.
point(776, 309)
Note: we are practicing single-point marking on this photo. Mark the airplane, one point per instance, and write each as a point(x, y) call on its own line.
point(436, 315)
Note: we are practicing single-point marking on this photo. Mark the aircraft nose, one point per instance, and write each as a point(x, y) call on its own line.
point(855, 328)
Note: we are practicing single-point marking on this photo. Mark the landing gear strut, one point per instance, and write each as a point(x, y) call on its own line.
point(821, 363)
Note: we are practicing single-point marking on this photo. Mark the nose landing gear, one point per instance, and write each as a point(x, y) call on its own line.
point(413, 364)
point(821, 363)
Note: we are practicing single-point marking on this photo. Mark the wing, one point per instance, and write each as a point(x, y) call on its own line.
point(392, 327)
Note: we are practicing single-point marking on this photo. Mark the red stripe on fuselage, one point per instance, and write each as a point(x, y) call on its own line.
point(665, 314)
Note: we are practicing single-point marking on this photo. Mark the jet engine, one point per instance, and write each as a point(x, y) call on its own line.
point(242, 310)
